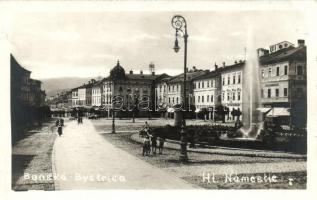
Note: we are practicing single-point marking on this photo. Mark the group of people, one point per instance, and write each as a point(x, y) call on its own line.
point(151, 141)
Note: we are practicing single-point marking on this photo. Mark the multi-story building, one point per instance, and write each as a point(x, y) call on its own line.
point(75, 97)
point(88, 90)
point(231, 87)
point(131, 86)
point(207, 90)
point(175, 87)
point(82, 95)
point(20, 82)
point(283, 80)
point(97, 98)
point(161, 91)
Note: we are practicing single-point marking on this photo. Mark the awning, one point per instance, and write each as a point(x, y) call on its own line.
point(170, 110)
point(275, 112)
point(263, 109)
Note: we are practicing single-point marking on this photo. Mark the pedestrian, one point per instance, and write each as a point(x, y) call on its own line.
point(59, 128)
point(154, 144)
point(78, 120)
point(161, 144)
point(146, 146)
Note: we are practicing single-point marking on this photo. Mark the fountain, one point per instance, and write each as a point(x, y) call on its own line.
point(251, 117)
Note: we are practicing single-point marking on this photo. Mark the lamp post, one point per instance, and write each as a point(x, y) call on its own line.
point(180, 25)
point(113, 107)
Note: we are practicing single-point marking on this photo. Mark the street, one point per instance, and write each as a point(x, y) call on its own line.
point(82, 159)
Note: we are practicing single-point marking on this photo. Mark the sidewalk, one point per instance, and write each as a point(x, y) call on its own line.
point(171, 144)
point(82, 159)
point(32, 156)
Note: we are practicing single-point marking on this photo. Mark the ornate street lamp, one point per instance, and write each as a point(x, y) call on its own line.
point(180, 25)
point(113, 113)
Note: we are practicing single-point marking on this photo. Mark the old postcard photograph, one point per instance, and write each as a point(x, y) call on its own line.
point(159, 96)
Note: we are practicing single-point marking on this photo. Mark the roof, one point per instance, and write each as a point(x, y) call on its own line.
point(290, 53)
point(230, 67)
point(141, 76)
point(211, 74)
point(165, 79)
point(189, 76)
point(14, 62)
point(97, 83)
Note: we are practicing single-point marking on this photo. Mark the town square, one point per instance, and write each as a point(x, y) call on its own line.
point(166, 100)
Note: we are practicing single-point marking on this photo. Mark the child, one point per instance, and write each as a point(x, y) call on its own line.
point(154, 144)
point(161, 144)
point(146, 146)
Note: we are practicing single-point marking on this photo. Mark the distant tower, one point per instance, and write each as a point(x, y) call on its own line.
point(152, 68)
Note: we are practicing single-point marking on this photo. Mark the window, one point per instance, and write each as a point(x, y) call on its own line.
point(234, 96)
point(212, 98)
point(239, 78)
point(223, 96)
point(277, 71)
point(285, 70)
point(239, 96)
point(211, 83)
point(277, 92)
point(262, 93)
point(202, 84)
point(223, 81)
point(173, 100)
point(198, 99)
point(207, 83)
point(299, 70)
point(270, 72)
point(228, 96)
point(269, 93)
point(285, 92)
point(207, 98)
point(202, 99)
point(177, 100)
point(199, 85)
point(228, 80)
point(169, 88)
point(169, 99)
point(234, 80)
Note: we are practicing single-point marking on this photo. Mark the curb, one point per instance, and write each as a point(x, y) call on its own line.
point(230, 151)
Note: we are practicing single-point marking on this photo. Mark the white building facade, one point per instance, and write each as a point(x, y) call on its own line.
point(231, 88)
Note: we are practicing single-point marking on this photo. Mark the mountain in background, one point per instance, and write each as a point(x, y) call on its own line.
point(53, 86)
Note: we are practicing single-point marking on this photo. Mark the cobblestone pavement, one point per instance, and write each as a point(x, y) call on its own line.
point(85, 160)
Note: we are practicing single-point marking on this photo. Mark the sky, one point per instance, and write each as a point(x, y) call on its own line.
point(88, 44)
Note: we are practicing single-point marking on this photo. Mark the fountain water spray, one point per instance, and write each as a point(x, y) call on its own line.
point(251, 117)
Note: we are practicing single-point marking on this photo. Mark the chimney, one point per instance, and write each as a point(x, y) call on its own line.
point(301, 43)
point(141, 72)
point(235, 62)
point(131, 72)
point(216, 66)
point(223, 64)
point(262, 52)
point(153, 73)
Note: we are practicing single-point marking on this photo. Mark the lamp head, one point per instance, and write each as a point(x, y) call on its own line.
point(176, 47)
